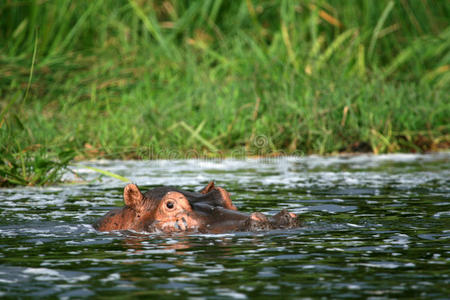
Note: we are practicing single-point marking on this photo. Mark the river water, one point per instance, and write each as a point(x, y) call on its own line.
point(374, 227)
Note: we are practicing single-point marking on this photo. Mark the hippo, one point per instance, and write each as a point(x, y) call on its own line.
point(168, 209)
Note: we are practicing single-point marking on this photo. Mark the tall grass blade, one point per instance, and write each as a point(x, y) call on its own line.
point(152, 27)
point(33, 61)
point(8, 107)
point(333, 47)
point(197, 136)
point(78, 26)
point(107, 173)
point(361, 61)
point(378, 27)
point(399, 60)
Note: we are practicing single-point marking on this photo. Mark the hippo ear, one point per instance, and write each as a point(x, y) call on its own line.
point(132, 196)
point(208, 188)
point(226, 199)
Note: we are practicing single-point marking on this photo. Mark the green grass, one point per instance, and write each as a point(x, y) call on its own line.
point(174, 79)
point(33, 168)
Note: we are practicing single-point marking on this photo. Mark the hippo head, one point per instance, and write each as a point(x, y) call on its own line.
point(165, 209)
point(168, 209)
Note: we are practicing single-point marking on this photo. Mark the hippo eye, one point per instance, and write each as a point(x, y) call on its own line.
point(169, 204)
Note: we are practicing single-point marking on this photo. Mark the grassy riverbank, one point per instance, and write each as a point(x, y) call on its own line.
point(175, 79)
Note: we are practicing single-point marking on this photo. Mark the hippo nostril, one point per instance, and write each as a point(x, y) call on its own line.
point(184, 222)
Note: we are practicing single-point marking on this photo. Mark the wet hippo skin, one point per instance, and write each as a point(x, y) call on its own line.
point(168, 209)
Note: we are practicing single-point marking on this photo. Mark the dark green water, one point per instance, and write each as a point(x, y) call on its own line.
point(373, 227)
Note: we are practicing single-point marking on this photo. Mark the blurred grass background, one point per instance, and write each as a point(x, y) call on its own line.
point(176, 79)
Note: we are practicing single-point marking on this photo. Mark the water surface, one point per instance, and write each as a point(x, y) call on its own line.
point(374, 226)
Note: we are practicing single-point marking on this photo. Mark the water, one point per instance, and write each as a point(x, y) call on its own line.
point(374, 226)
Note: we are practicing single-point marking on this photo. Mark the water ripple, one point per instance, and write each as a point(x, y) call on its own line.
point(374, 226)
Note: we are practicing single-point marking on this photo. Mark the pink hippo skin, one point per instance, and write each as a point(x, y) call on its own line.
point(168, 209)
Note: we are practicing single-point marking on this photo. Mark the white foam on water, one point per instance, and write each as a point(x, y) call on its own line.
point(111, 277)
point(41, 271)
point(45, 274)
point(385, 265)
point(225, 292)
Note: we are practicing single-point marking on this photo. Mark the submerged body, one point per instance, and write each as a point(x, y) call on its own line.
point(168, 209)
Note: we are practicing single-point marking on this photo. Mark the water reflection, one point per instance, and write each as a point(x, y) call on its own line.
point(373, 227)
